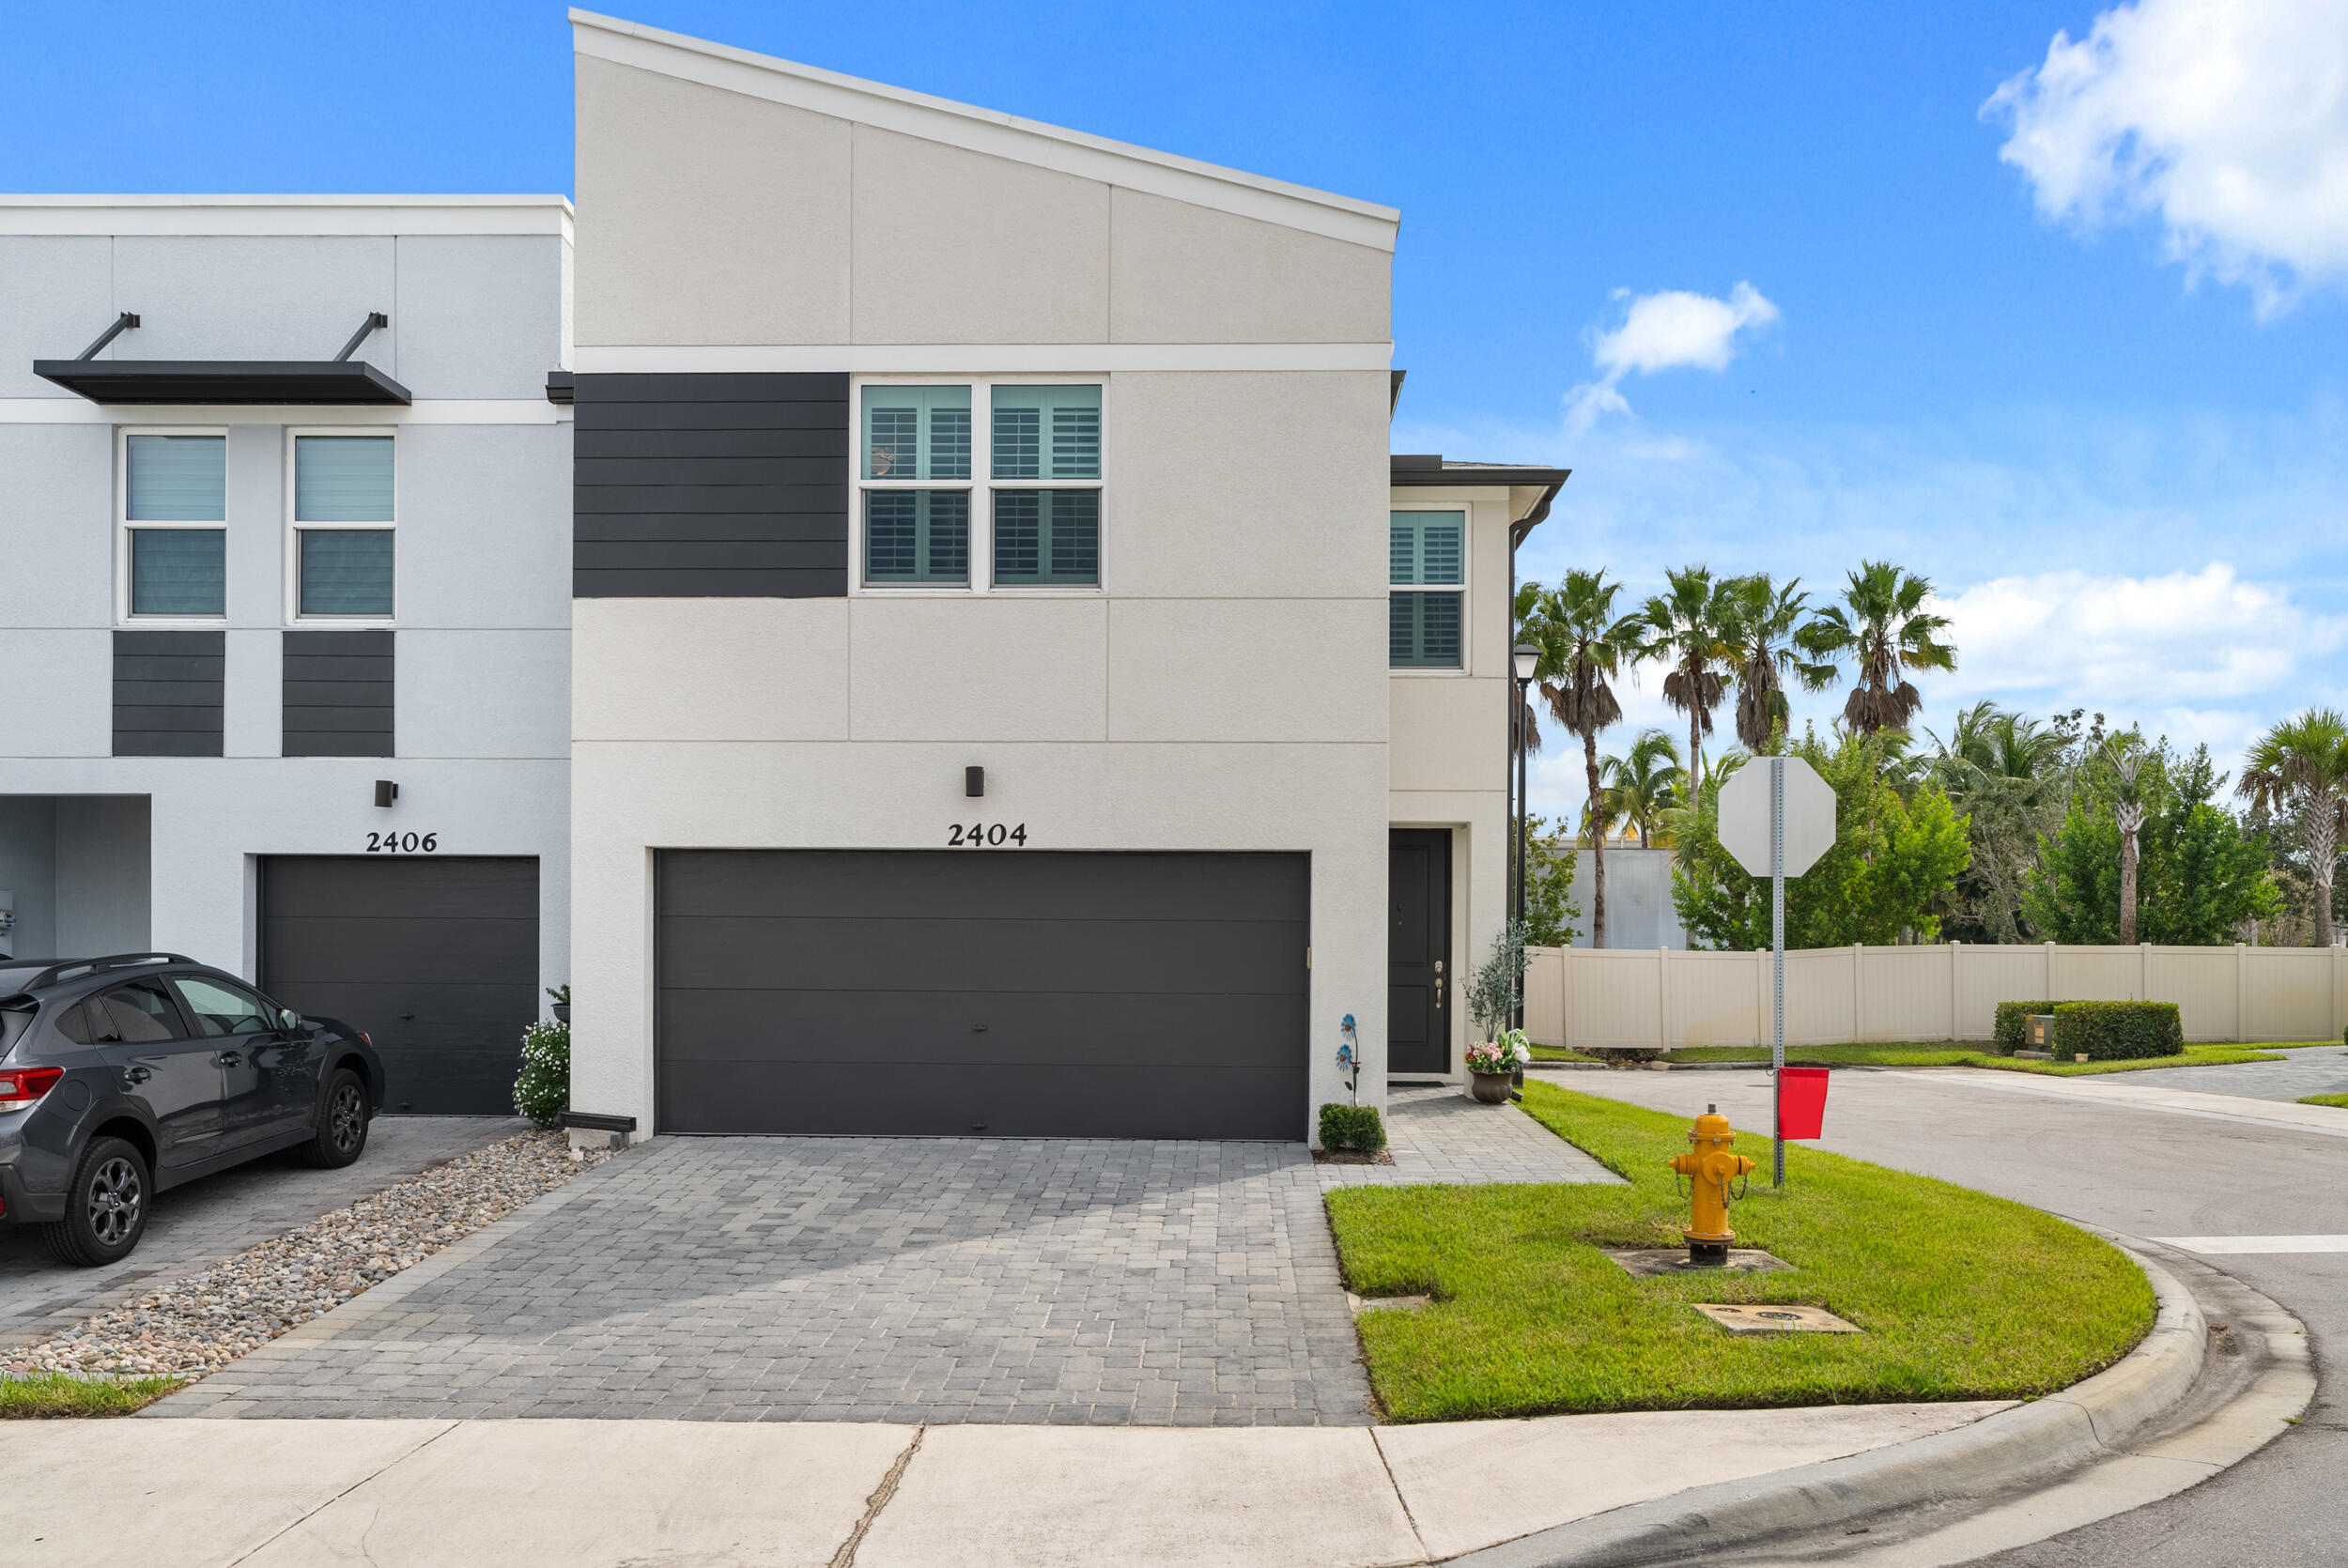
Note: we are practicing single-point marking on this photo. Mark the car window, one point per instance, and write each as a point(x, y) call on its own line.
point(222, 1008)
point(139, 1013)
point(73, 1023)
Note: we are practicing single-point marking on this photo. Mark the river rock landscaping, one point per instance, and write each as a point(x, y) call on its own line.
point(199, 1324)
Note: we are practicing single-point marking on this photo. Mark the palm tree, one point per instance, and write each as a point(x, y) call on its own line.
point(1882, 629)
point(2006, 775)
point(1683, 627)
point(1584, 648)
point(2124, 755)
point(2303, 761)
point(1642, 784)
point(1760, 626)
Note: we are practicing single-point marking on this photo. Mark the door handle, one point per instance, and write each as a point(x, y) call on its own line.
point(227, 1059)
point(1439, 982)
point(134, 1076)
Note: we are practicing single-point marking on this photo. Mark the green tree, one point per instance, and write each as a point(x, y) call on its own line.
point(2199, 876)
point(1551, 915)
point(2302, 765)
point(1895, 862)
point(1684, 629)
point(1643, 785)
point(2008, 775)
point(1882, 630)
point(1583, 647)
point(1761, 624)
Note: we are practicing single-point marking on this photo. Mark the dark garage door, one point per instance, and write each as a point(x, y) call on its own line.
point(1006, 991)
point(436, 959)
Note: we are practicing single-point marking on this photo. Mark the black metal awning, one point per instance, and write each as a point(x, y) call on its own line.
point(223, 380)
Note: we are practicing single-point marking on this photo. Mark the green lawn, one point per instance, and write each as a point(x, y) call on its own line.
point(47, 1394)
point(1927, 1053)
point(2341, 1100)
point(1963, 1295)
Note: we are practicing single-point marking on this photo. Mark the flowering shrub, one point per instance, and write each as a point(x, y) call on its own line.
point(543, 1090)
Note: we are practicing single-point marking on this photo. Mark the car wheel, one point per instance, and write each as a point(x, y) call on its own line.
point(342, 1130)
point(105, 1209)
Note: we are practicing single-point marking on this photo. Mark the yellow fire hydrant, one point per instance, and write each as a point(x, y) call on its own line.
point(1711, 1167)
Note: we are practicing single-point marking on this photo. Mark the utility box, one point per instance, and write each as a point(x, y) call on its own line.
point(2041, 1031)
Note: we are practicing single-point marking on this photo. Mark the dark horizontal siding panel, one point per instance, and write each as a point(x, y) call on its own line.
point(829, 442)
point(184, 718)
point(823, 386)
point(616, 528)
point(364, 694)
point(823, 499)
point(693, 583)
point(341, 645)
point(168, 692)
point(728, 486)
point(172, 644)
point(696, 554)
point(338, 692)
point(712, 416)
point(675, 469)
point(312, 744)
point(198, 670)
point(313, 667)
point(149, 743)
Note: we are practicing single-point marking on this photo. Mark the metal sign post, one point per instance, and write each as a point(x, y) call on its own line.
point(1777, 969)
point(1776, 820)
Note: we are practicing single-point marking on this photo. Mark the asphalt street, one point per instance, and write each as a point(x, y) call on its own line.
point(2146, 1173)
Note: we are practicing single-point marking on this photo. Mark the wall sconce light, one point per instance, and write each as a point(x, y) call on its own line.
point(385, 791)
point(974, 782)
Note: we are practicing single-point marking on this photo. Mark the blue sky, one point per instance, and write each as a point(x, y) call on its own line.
point(2095, 393)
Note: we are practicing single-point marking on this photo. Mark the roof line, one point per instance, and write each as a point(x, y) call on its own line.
point(985, 130)
point(150, 199)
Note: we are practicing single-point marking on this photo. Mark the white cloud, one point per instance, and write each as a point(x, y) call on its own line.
point(2228, 120)
point(1670, 330)
point(2183, 640)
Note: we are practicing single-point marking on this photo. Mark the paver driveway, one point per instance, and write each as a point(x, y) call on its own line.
point(892, 1279)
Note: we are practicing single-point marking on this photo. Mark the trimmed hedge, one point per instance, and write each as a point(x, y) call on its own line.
point(1351, 1127)
point(2012, 1031)
point(2118, 1031)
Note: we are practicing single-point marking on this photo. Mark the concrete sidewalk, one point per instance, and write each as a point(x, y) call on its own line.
point(425, 1493)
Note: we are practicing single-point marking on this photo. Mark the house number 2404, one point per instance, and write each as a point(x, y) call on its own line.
point(984, 836)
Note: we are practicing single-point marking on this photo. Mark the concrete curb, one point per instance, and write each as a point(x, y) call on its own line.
point(2028, 1443)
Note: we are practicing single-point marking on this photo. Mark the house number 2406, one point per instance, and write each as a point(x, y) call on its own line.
point(984, 836)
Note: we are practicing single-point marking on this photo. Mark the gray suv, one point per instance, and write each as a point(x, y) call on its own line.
point(123, 1076)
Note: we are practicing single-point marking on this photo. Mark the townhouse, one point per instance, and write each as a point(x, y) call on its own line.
point(916, 624)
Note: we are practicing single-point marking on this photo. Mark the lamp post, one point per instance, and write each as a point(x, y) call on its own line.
point(1525, 659)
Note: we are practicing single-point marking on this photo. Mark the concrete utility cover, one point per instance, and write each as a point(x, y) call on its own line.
point(1647, 1262)
point(1745, 816)
point(1774, 1319)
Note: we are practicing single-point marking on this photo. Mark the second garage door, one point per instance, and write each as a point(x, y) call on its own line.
point(1003, 992)
point(436, 959)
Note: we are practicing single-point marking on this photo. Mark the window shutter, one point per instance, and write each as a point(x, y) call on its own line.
point(917, 431)
point(1047, 433)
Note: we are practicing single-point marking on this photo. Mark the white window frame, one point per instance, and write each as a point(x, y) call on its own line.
point(294, 528)
point(980, 485)
point(1466, 508)
point(123, 524)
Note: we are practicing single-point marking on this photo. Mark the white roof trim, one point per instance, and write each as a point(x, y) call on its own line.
point(983, 131)
point(284, 215)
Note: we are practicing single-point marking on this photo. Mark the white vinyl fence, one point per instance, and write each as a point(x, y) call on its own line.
point(1594, 999)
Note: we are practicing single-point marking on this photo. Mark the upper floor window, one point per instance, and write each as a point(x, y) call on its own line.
point(345, 520)
point(174, 501)
point(1429, 554)
point(1013, 502)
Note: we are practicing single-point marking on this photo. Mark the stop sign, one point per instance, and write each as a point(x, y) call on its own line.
point(1745, 815)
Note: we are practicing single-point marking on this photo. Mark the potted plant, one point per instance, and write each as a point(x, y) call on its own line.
point(1492, 1066)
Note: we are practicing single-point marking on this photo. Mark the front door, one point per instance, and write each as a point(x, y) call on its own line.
point(1418, 950)
point(164, 1064)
